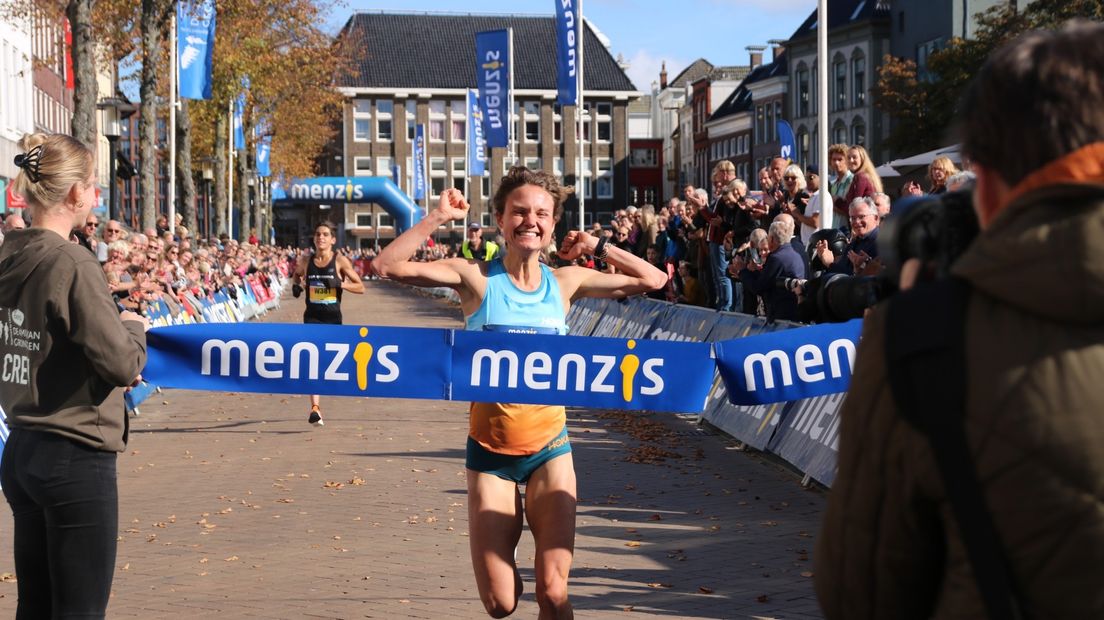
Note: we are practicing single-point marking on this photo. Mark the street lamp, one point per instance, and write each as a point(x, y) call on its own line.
point(112, 111)
point(208, 178)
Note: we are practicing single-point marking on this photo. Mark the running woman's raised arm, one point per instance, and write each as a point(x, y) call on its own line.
point(394, 260)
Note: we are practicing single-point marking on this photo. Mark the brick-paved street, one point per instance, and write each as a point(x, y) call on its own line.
point(232, 506)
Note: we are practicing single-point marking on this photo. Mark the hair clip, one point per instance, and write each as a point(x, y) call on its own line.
point(30, 162)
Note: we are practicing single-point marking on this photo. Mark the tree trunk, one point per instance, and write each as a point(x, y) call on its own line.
point(243, 195)
point(79, 13)
point(218, 223)
point(184, 177)
point(147, 121)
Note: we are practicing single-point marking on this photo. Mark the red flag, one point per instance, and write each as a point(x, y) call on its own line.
point(69, 57)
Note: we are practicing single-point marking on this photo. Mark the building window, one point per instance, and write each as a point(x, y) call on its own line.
point(605, 121)
point(605, 177)
point(362, 120)
point(533, 163)
point(532, 121)
point(839, 69)
point(557, 123)
point(777, 116)
point(458, 120)
point(384, 108)
point(858, 132)
point(411, 119)
point(485, 188)
point(839, 133)
point(643, 158)
point(858, 79)
point(362, 166)
point(385, 220)
point(363, 220)
point(458, 173)
point(437, 121)
point(771, 133)
point(802, 145)
point(760, 121)
point(383, 166)
point(923, 53)
point(802, 92)
point(558, 167)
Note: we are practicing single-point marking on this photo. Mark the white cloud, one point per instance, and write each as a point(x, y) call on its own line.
point(644, 69)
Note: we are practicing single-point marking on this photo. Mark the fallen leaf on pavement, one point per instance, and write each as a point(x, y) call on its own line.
point(705, 590)
point(632, 543)
point(660, 585)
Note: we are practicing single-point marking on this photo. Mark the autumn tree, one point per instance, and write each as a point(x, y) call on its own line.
point(290, 64)
point(923, 110)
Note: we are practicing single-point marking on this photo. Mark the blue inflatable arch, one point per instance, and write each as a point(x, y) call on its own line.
point(380, 190)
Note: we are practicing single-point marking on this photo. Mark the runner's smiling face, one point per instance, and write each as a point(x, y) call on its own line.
point(527, 221)
point(323, 238)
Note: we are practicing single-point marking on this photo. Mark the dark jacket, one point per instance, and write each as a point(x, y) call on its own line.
point(1034, 405)
point(781, 303)
point(59, 321)
point(868, 244)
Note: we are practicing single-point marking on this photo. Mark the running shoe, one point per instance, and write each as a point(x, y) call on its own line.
point(315, 417)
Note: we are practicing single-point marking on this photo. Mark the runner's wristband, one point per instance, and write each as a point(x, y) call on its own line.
point(600, 249)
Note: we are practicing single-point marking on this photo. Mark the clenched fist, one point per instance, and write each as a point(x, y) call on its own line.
point(576, 244)
point(451, 204)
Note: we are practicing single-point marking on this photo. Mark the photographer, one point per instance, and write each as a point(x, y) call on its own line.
point(782, 262)
point(1029, 373)
point(862, 250)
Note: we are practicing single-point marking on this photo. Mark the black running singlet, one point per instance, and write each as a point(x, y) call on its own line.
point(323, 293)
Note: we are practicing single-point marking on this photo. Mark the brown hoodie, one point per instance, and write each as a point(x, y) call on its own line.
point(63, 349)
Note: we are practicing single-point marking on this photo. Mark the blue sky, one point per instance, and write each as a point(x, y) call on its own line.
point(645, 32)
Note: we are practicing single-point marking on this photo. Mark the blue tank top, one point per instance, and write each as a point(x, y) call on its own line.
point(505, 305)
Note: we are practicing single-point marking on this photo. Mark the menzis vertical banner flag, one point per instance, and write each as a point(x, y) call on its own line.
point(477, 144)
point(263, 151)
point(419, 163)
point(492, 70)
point(239, 131)
point(195, 25)
point(788, 148)
point(568, 32)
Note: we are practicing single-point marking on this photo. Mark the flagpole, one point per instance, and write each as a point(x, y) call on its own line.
point(230, 177)
point(826, 202)
point(510, 115)
point(172, 120)
point(579, 108)
point(468, 126)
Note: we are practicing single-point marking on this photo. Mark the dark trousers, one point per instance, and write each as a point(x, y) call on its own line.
point(65, 505)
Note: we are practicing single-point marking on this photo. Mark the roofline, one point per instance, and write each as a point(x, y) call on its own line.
point(426, 93)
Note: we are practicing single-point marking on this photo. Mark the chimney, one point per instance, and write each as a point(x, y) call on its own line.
point(663, 76)
point(777, 47)
point(756, 52)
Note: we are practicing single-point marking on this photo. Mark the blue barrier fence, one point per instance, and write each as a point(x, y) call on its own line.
point(804, 433)
point(257, 295)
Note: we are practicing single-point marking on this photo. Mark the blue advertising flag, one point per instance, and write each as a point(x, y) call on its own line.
point(263, 151)
point(419, 163)
point(789, 365)
point(239, 131)
point(195, 34)
point(477, 144)
point(493, 71)
point(788, 148)
point(568, 33)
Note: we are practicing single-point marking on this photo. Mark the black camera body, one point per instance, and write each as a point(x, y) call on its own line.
point(935, 230)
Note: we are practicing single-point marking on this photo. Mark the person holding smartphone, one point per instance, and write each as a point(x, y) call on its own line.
point(74, 347)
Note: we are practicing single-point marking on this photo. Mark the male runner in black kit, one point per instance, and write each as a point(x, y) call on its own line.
point(327, 274)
